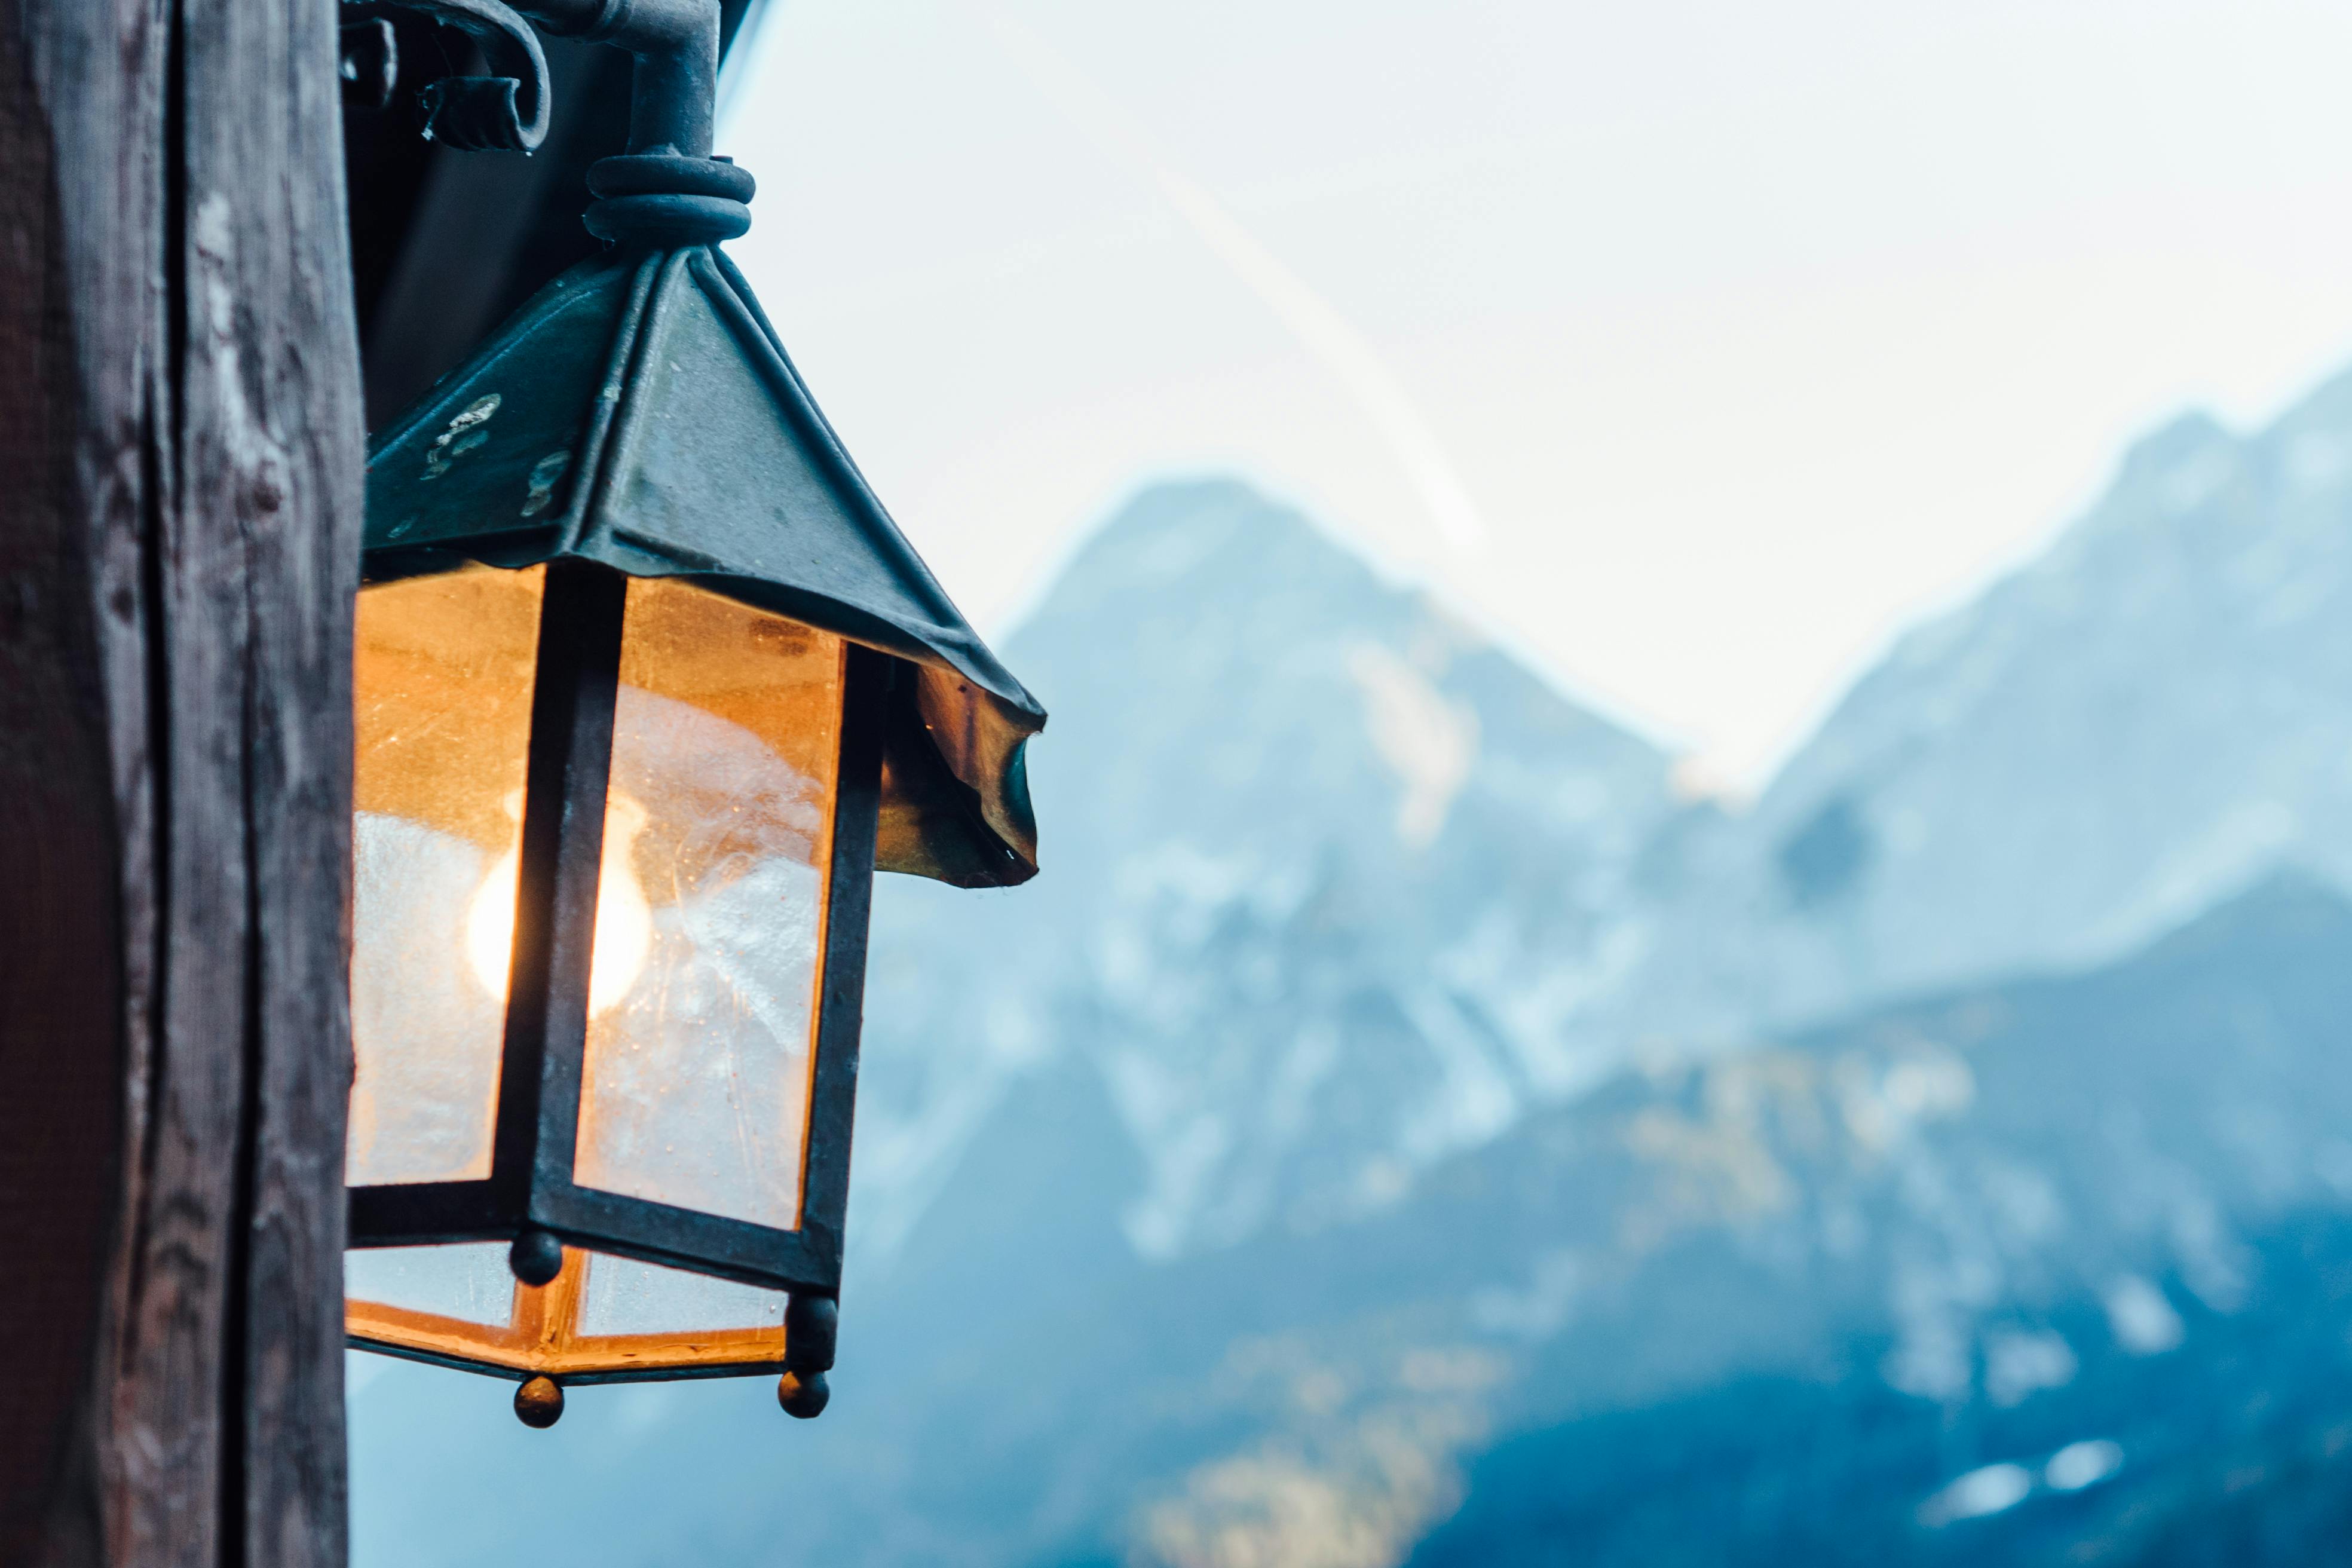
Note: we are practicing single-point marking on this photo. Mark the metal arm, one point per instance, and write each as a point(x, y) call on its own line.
point(676, 43)
point(671, 95)
point(666, 190)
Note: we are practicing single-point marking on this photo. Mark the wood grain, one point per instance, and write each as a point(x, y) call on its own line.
point(180, 458)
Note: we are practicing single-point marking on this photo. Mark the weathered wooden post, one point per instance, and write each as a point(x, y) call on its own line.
point(180, 461)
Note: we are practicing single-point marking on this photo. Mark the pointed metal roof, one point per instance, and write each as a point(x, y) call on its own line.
point(640, 412)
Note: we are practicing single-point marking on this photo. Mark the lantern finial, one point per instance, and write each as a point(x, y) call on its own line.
point(535, 1257)
point(540, 1403)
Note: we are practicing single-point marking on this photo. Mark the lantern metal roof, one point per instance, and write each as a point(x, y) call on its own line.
point(640, 412)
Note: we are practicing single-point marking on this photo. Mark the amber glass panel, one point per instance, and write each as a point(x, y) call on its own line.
point(602, 1317)
point(442, 680)
point(468, 1282)
point(458, 1302)
point(624, 1297)
point(711, 907)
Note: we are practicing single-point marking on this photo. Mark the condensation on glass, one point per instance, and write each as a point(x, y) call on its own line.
point(602, 1317)
point(623, 1297)
point(710, 907)
point(468, 1282)
point(442, 678)
point(705, 965)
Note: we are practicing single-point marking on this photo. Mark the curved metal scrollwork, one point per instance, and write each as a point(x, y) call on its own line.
point(504, 112)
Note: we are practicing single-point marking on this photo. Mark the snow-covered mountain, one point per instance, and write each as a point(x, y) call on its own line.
point(1332, 884)
point(2153, 714)
point(1339, 889)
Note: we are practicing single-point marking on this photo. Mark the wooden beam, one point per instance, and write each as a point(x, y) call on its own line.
point(180, 461)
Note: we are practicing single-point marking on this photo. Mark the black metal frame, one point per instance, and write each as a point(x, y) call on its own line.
point(530, 1184)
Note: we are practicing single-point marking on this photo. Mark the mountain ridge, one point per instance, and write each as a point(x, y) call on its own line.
point(1293, 770)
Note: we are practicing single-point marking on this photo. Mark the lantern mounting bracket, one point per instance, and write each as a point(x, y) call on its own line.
point(672, 100)
point(666, 190)
point(674, 95)
point(505, 111)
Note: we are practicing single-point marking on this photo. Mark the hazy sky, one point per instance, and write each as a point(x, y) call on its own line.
point(1694, 346)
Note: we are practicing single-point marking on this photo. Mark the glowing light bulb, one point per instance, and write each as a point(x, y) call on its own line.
point(624, 921)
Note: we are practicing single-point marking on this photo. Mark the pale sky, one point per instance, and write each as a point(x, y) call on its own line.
point(1694, 346)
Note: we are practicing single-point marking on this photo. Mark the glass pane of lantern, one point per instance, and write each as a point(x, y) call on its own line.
point(442, 678)
point(717, 835)
point(626, 1297)
point(468, 1282)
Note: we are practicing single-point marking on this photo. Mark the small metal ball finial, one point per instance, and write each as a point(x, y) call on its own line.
point(536, 1258)
point(540, 1403)
point(802, 1395)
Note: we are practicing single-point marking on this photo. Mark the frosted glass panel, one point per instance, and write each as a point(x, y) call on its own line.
point(711, 917)
point(625, 1296)
point(470, 1281)
point(442, 682)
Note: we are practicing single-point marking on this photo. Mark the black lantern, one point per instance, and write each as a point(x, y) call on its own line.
point(648, 686)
